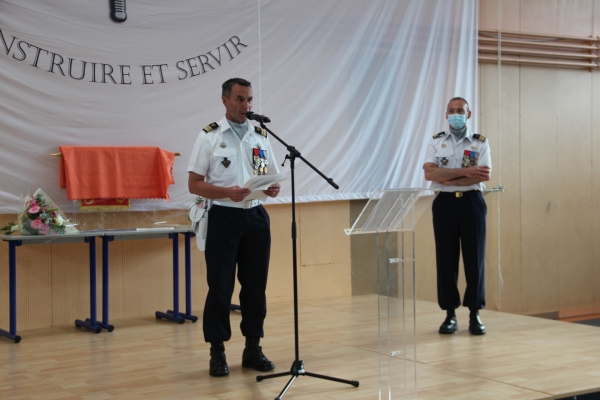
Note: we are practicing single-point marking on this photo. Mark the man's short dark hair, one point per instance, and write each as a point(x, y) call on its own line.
point(233, 81)
point(460, 98)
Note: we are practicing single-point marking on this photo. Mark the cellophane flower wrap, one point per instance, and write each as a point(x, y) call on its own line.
point(41, 216)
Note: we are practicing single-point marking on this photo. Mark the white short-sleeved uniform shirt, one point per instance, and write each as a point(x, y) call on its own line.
point(224, 160)
point(444, 151)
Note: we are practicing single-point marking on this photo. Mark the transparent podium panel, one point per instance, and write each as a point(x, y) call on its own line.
point(391, 217)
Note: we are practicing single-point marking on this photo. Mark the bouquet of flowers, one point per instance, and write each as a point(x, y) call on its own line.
point(40, 216)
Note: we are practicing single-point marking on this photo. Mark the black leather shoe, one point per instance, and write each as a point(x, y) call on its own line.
point(476, 326)
point(218, 362)
point(449, 325)
point(253, 356)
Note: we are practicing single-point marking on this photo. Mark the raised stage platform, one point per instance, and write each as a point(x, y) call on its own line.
point(520, 358)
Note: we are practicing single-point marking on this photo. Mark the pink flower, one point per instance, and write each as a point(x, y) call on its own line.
point(36, 224)
point(34, 209)
point(44, 229)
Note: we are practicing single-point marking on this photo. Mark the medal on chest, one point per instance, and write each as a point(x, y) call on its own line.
point(260, 164)
point(470, 158)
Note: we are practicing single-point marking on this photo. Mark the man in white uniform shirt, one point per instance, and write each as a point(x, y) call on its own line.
point(226, 154)
point(458, 163)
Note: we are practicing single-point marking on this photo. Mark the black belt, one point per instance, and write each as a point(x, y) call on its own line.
point(459, 194)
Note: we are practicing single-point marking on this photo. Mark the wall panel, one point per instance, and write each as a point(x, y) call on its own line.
point(325, 250)
point(35, 299)
point(539, 16)
point(280, 284)
point(539, 189)
point(488, 14)
point(595, 121)
point(575, 17)
point(503, 275)
point(425, 256)
point(574, 197)
point(70, 280)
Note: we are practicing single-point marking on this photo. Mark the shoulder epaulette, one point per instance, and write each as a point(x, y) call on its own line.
point(438, 135)
point(480, 137)
point(210, 127)
point(260, 131)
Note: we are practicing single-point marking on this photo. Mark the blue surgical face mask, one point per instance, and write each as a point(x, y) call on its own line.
point(457, 121)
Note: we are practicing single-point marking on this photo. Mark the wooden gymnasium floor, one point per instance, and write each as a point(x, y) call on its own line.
point(521, 358)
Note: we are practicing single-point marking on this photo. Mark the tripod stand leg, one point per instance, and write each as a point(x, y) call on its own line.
point(292, 379)
point(261, 377)
point(330, 378)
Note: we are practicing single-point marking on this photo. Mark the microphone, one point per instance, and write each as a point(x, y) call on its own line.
point(256, 117)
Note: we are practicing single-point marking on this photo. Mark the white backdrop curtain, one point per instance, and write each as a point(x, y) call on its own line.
point(357, 86)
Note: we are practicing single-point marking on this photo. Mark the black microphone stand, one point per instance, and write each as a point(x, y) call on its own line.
point(297, 368)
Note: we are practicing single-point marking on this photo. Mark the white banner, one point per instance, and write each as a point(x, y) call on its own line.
point(358, 87)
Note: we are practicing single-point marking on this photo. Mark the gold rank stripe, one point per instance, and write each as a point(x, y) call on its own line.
point(260, 131)
point(210, 127)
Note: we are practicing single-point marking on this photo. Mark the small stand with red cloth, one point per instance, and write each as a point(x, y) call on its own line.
point(105, 178)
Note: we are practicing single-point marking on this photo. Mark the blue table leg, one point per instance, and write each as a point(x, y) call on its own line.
point(105, 264)
point(174, 314)
point(91, 322)
point(188, 278)
point(12, 288)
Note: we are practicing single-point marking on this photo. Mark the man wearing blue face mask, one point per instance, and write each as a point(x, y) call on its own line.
point(458, 163)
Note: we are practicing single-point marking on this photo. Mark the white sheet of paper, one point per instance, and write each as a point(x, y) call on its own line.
point(262, 182)
point(259, 183)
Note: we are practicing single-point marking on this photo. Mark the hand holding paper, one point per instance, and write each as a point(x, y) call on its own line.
point(273, 190)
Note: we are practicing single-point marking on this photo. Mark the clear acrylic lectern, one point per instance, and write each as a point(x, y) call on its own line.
point(392, 215)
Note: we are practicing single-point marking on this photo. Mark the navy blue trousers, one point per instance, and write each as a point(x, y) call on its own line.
point(242, 237)
point(459, 223)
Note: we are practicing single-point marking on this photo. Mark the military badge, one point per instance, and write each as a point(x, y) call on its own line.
point(225, 162)
point(444, 161)
point(223, 145)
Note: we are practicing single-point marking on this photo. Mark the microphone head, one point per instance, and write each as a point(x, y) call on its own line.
point(256, 117)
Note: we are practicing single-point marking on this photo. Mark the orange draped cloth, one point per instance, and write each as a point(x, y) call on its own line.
point(103, 172)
